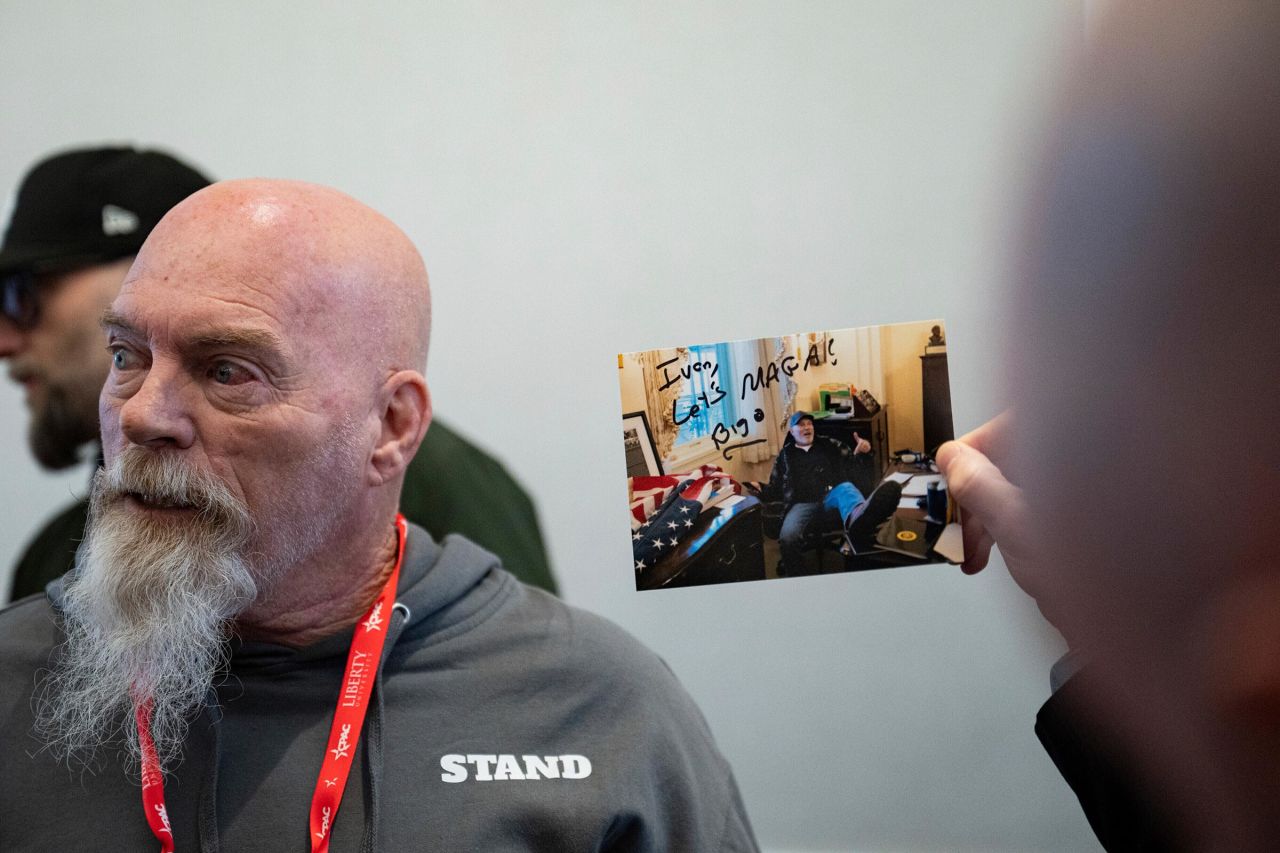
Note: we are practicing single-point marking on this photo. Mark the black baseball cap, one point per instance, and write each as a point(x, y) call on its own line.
point(92, 205)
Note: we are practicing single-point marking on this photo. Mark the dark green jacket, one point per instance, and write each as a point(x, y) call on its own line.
point(451, 486)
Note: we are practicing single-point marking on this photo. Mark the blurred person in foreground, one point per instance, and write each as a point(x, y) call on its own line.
point(256, 636)
point(1133, 490)
point(79, 219)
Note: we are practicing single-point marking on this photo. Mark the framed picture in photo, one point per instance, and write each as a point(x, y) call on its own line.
point(642, 456)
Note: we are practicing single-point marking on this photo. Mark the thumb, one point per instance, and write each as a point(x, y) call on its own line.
point(980, 488)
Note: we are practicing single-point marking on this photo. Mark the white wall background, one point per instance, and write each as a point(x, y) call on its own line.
point(589, 178)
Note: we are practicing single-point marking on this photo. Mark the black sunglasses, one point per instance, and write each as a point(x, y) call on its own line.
point(19, 303)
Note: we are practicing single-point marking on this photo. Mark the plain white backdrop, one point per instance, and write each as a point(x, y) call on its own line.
point(596, 177)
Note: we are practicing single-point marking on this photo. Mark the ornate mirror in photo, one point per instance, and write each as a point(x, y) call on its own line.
point(801, 454)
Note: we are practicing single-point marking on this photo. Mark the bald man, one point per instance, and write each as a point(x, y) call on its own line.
point(1133, 491)
point(255, 636)
point(79, 219)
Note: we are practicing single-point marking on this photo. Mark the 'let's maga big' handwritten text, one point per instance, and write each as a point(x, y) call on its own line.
point(762, 377)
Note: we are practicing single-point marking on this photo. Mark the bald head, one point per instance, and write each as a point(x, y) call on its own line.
point(272, 335)
point(346, 270)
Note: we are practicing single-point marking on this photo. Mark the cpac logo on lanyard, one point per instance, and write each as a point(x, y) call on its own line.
point(324, 823)
point(340, 751)
point(366, 649)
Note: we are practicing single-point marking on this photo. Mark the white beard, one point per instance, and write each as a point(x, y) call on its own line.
point(147, 611)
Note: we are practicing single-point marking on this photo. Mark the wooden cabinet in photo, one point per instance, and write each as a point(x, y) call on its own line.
point(936, 395)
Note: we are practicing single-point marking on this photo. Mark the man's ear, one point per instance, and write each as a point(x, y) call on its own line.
point(405, 406)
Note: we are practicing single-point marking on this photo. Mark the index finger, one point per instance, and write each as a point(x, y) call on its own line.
point(993, 438)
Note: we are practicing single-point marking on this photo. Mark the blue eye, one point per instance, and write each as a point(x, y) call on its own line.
point(119, 358)
point(229, 373)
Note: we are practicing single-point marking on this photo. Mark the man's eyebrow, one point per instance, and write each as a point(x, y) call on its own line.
point(257, 340)
point(112, 319)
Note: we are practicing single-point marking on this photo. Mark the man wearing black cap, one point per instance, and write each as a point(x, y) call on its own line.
point(79, 219)
point(813, 477)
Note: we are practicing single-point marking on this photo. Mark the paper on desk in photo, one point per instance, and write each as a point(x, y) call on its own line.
point(898, 477)
point(950, 545)
point(919, 484)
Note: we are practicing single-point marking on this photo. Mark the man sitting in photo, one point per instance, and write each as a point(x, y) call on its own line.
point(813, 477)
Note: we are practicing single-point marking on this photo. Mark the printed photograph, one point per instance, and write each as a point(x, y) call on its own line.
point(801, 454)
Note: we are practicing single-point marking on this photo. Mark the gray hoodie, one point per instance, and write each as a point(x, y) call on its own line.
point(502, 719)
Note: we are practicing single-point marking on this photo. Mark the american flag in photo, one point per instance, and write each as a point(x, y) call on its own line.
point(649, 493)
point(674, 518)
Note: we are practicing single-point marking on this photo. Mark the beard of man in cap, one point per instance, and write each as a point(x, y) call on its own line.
point(61, 362)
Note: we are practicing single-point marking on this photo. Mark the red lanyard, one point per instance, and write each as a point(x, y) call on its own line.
point(152, 781)
point(348, 720)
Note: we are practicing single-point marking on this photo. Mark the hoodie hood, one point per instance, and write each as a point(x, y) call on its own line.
point(436, 580)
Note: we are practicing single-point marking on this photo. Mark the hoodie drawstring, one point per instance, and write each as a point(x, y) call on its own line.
point(373, 737)
point(207, 816)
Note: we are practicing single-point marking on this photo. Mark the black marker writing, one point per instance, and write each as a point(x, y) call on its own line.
point(766, 376)
point(740, 444)
point(694, 408)
point(760, 378)
point(722, 433)
point(812, 358)
point(687, 371)
point(675, 417)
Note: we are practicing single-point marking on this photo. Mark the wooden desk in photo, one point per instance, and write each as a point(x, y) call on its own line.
point(892, 559)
